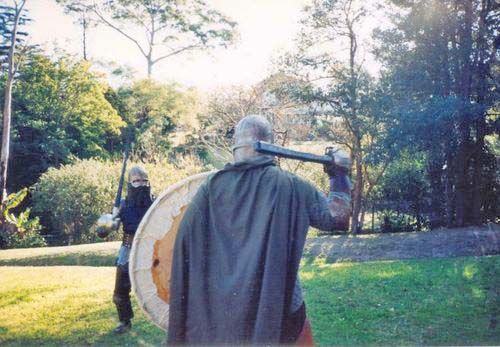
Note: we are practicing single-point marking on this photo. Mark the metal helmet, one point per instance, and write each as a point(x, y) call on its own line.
point(138, 176)
point(248, 130)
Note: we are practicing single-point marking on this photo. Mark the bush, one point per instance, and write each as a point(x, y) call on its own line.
point(26, 234)
point(71, 198)
point(19, 231)
point(395, 223)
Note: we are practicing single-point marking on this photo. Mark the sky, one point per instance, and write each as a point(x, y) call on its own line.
point(266, 29)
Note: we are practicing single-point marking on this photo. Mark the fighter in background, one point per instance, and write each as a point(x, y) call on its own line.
point(130, 212)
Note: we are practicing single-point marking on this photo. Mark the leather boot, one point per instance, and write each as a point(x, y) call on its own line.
point(123, 327)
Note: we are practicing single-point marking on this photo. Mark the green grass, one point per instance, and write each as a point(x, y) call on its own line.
point(65, 305)
point(414, 302)
point(96, 254)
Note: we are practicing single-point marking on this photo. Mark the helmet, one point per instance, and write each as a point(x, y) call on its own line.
point(138, 176)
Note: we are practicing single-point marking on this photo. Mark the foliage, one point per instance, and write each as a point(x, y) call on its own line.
point(392, 222)
point(60, 112)
point(159, 108)
point(271, 97)
point(340, 89)
point(70, 199)
point(440, 71)
point(7, 20)
point(413, 302)
point(19, 231)
point(405, 189)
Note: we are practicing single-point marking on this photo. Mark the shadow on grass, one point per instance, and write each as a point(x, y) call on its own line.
point(93, 327)
point(430, 302)
point(80, 259)
point(488, 275)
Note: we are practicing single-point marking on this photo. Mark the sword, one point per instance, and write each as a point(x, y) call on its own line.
point(278, 151)
point(107, 223)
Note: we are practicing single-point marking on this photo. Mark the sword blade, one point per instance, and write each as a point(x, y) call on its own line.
point(278, 151)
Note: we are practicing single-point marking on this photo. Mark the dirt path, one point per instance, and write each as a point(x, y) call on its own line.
point(473, 241)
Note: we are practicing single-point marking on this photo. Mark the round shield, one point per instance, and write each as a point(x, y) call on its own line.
point(152, 248)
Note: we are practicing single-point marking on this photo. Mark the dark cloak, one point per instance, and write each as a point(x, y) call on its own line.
point(237, 255)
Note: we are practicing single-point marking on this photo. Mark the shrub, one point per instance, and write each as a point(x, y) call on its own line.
point(395, 223)
point(19, 231)
point(71, 198)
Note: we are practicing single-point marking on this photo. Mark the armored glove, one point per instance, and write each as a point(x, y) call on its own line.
point(106, 224)
point(341, 162)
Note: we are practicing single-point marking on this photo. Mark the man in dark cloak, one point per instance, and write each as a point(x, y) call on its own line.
point(238, 248)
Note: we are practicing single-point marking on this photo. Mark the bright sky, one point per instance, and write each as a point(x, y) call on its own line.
point(266, 27)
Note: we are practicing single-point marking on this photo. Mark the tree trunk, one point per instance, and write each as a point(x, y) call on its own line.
point(449, 178)
point(84, 34)
point(435, 174)
point(462, 183)
point(150, 67)
point(361, 217)
point(417, 214)
point(480, 124)
point(358, 188)
point(477, 201)
point(7, 106)
point(373, 217)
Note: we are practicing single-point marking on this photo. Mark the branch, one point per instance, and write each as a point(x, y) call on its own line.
point(381, 173)
point(349, 125)
point(22, 50)
point(180, 50)
point(111, 25)
point(140, 21)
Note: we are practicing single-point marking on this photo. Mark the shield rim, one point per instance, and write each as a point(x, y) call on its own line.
point(140, 230)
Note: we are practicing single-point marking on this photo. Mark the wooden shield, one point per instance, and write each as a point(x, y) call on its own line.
point(152, 249)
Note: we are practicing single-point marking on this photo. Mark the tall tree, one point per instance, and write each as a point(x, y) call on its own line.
point(441, 60)
point(13, 15)
point(330, 57)
point(81, 11)
point(168, 27)
point(61, 113)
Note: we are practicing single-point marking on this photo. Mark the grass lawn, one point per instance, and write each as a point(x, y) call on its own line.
point(65, 305)
point(414, 302)
point(95, 254)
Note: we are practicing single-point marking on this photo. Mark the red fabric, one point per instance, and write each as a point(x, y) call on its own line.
point(306, 337)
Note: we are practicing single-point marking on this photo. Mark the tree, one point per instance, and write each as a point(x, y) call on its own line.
point(170, 27)
point(225, 107)
point(404, 187)
point(160, 108)
point(61, 112)
point(13, 15)
point(83, 19)
point(338, 84)
point(440, 59)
